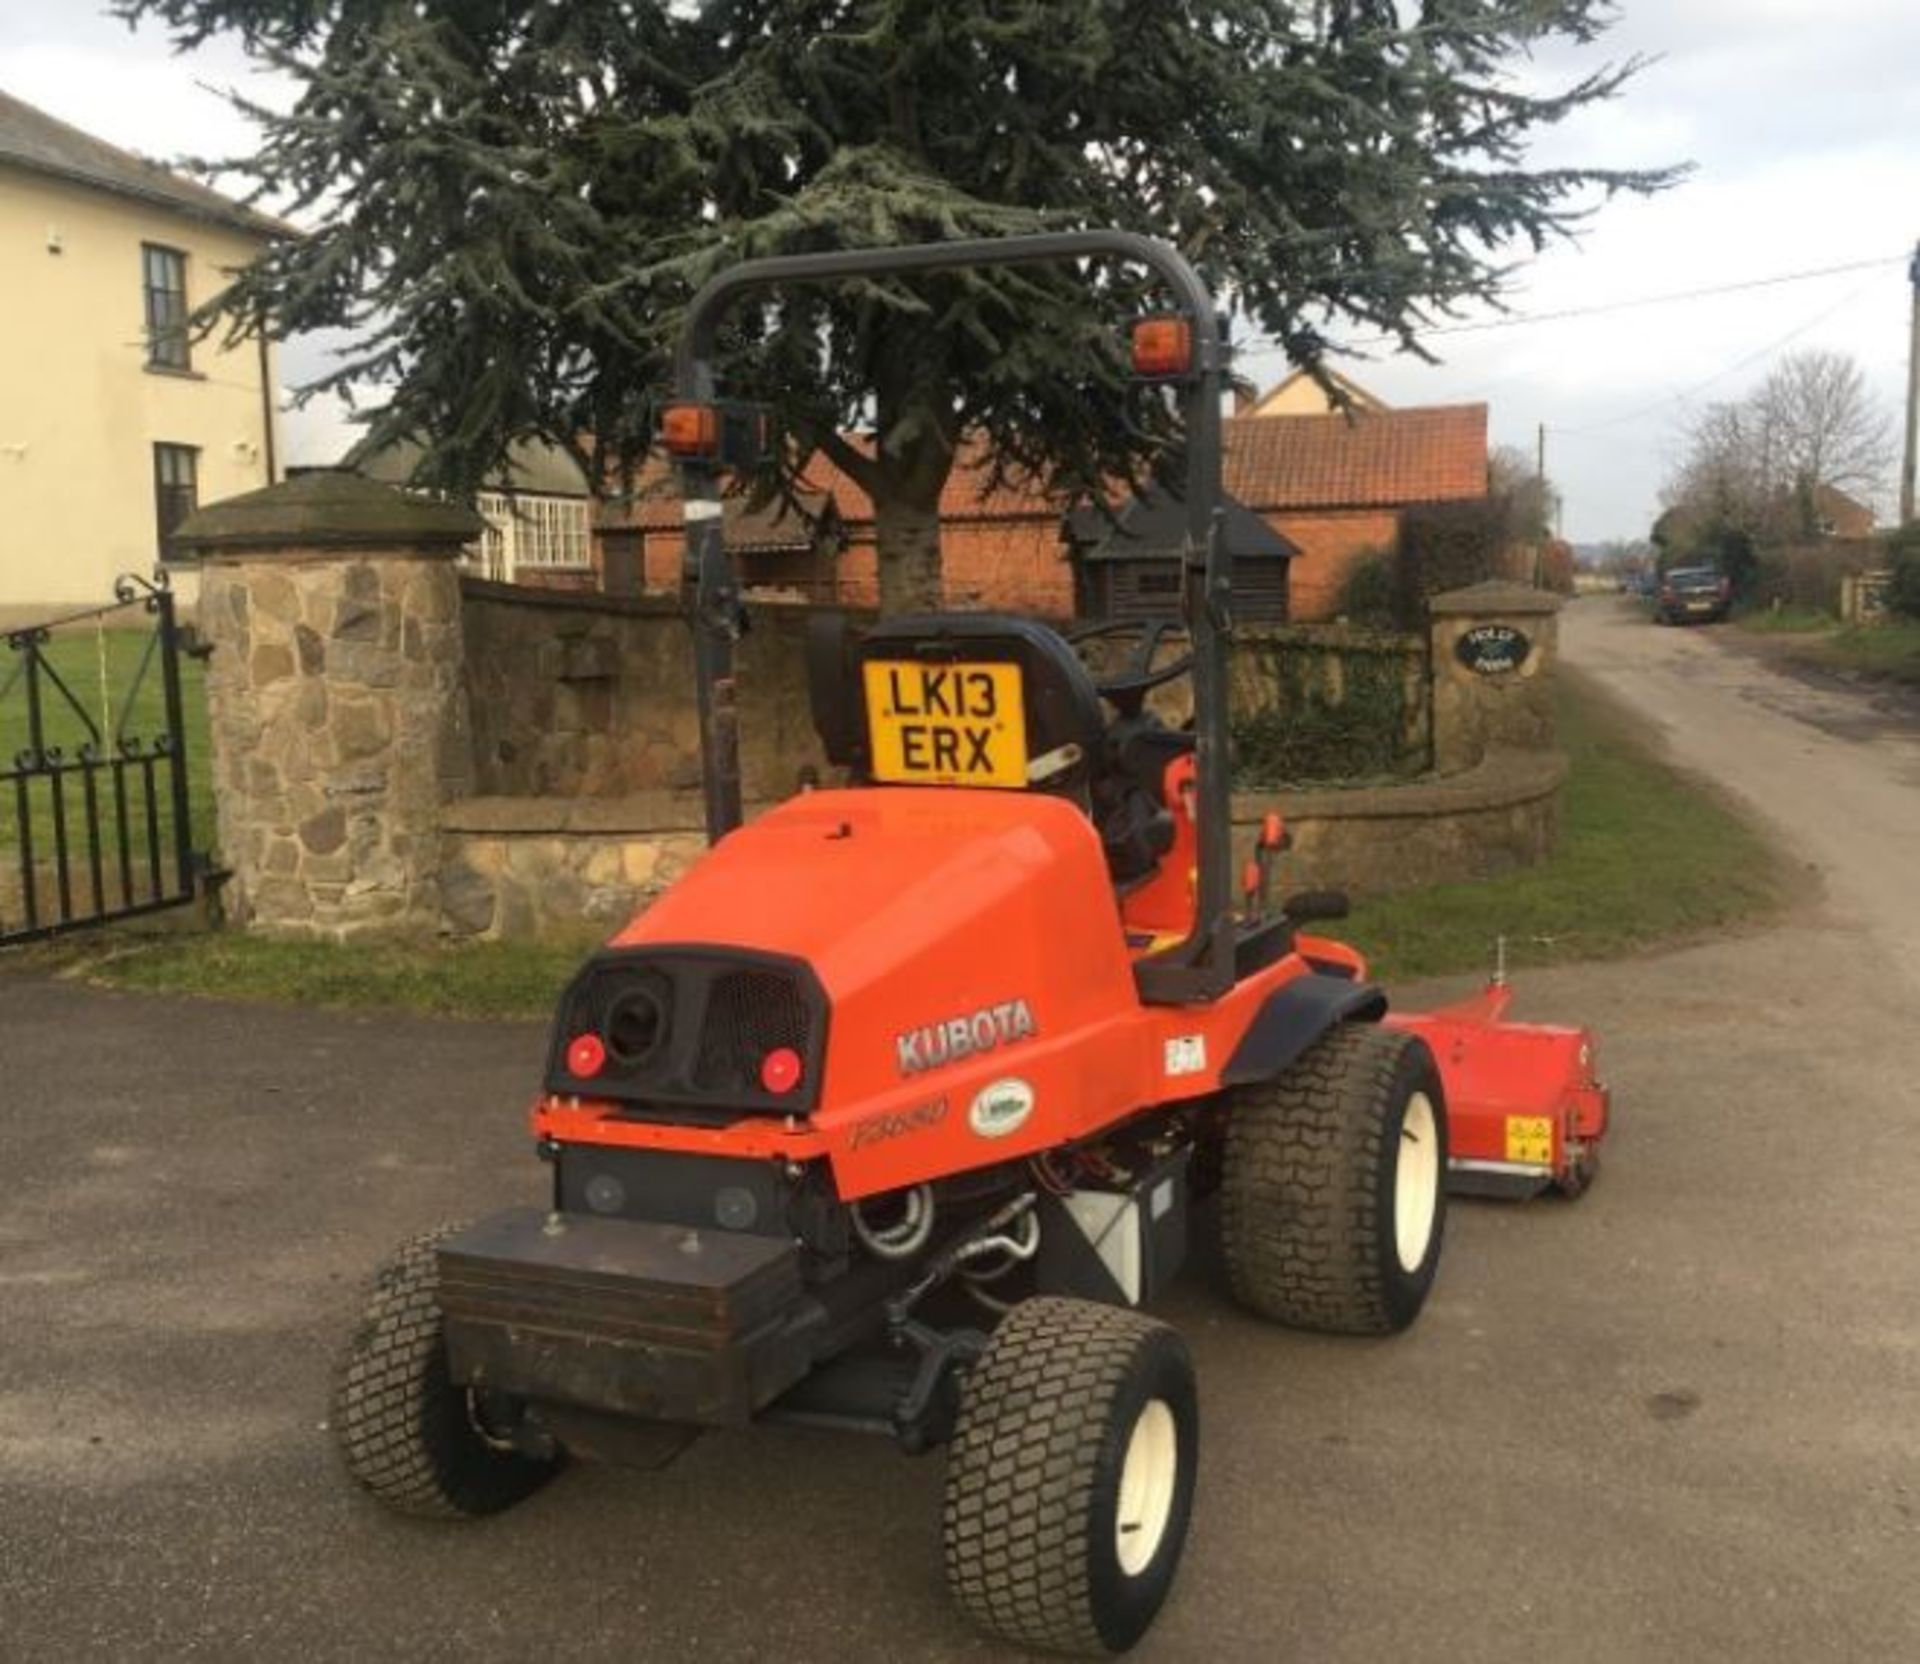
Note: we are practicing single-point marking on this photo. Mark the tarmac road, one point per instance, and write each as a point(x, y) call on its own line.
point(1674, 1421)
point(1835, 768)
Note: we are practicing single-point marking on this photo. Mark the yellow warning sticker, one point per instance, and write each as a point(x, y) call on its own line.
point(1530, 1140)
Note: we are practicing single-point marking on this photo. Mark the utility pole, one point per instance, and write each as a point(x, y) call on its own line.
point(1540, 488)
point(1913, 389)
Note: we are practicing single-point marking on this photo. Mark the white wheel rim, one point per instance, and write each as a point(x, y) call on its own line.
point(1416, 1183)
point(1147, 1479)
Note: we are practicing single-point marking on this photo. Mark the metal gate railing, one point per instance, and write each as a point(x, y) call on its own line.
point(95, 817)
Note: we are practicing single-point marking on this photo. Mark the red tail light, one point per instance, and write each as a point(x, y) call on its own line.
point(586, 1056)
point(780, 1070)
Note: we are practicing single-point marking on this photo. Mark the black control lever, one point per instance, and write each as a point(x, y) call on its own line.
point(1310, 905)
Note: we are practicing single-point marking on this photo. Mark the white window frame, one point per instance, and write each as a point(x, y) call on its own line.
point(528, 532)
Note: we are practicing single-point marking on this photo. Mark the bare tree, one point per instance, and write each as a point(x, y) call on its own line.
point(1758, 465)
point(1532, 504)
point(1821, 426)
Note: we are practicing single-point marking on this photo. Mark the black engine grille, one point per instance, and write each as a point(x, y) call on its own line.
point(690, 1028)
point(749, 1013)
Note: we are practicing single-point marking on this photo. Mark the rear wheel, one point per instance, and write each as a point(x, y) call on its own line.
point(1070, 1480)
point(407, 1434)
point(1333, 1191)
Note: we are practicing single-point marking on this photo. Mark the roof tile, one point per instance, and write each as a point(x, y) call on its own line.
point(1372, 459)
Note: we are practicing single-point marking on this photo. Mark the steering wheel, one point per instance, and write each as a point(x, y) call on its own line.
point(1127, 689)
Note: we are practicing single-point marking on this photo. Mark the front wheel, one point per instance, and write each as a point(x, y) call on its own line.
point(1333, 1184)
point(407, 1434)
point(1070, 1480)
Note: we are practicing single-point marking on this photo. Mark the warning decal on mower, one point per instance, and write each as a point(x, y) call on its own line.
point(1530, 1140)
point(946, 724)
point(1187, 1054)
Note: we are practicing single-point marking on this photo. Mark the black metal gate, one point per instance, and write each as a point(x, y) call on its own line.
point(95, 808)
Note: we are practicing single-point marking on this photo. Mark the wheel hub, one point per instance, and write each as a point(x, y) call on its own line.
point(1147, 1482)
point(1416, 1183)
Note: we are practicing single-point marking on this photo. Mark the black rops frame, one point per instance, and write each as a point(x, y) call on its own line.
point(1200, 967)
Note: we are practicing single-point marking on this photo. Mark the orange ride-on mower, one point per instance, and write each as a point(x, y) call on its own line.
point(894, 1113)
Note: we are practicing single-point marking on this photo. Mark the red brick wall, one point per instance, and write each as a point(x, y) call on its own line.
point(1011, 565)
point(1330, 543)
point(1017, 565)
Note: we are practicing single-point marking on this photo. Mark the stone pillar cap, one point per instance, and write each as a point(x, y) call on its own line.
point(1495, 595)
point(327, 510)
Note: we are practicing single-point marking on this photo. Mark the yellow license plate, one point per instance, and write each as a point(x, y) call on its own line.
point(946, 724)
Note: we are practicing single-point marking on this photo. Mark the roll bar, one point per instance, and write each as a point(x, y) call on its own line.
point(1202, 966)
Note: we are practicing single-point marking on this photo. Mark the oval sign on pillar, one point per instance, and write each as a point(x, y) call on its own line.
point(1493, 649)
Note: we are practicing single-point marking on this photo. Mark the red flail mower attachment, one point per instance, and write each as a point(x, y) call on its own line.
point(1525, 1109)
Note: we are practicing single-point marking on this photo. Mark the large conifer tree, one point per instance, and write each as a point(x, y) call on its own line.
point(512, 198)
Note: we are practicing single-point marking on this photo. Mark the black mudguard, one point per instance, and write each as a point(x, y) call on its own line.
point(1293, 1018)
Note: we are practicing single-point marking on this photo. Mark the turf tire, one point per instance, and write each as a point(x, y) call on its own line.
point(1308, 1184)
point(406, 1433)
point(1033, 1488)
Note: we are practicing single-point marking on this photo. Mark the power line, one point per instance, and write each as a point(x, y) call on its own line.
point(1721, 374)
point(1600, 309)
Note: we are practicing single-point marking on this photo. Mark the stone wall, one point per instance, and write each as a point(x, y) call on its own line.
point(518, 867)
point(526, 867)
point(335, 734)
point(396, 749)
point(593, 695)
point(1502, 814)
point(338, 717)
point(578, 695)
point(521, 866)
point(1475, 712)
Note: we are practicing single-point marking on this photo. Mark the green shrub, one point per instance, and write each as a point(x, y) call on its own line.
point(1447, 546)
point(1903, 550)
point(1372, 593)
point(1320, 723)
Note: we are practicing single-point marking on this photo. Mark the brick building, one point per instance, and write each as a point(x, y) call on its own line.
point(1333, 485)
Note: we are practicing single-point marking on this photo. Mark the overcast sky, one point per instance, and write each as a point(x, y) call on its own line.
point(1800, 117)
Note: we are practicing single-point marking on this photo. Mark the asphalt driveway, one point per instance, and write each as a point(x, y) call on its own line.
point(1675, 1421)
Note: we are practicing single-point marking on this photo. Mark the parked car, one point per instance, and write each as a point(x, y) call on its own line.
point(1693, 595)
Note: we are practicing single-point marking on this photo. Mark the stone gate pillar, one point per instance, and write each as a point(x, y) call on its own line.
point(338, 709)
point(1494, 648)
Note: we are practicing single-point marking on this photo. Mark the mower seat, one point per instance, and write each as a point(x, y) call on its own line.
point(1065, 718)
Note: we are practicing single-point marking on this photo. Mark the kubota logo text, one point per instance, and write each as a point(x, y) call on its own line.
point(935, 1044)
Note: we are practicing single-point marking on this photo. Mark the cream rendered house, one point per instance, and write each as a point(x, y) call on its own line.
point(1301, 395)
point(113, 423)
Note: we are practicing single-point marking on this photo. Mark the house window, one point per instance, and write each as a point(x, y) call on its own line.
point(164, 278)
point(553, 534)
point(176, 490)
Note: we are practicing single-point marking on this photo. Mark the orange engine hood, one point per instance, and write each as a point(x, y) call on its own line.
point(913, 905)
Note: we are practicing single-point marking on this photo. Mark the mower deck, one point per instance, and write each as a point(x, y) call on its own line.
point(1526, 1111)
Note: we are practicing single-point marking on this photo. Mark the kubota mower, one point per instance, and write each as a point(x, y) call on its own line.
point(894, 1113)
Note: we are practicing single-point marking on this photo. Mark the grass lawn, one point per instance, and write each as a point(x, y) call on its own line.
point(1648, 856)
point(480, 979)
point(97, 668)
point(1786, 621)
point(1887, 652)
